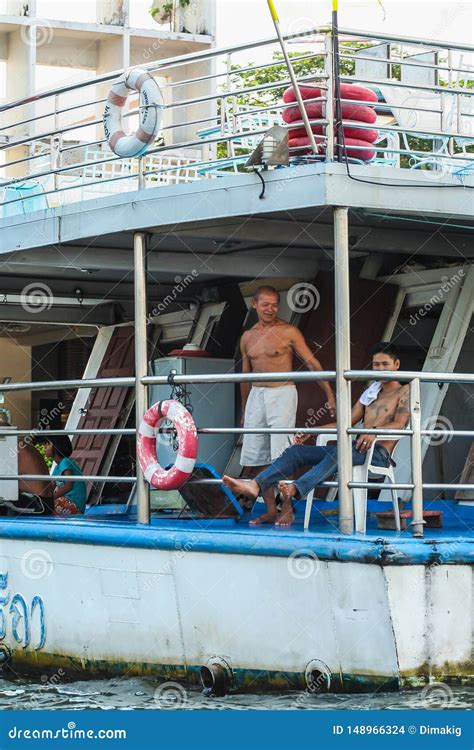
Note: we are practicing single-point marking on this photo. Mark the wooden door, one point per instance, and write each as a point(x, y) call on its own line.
point(104, 405)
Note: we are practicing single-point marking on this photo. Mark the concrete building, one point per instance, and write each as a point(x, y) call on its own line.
point(28, 40)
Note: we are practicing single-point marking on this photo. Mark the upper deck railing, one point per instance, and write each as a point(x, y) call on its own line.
point(220, 102)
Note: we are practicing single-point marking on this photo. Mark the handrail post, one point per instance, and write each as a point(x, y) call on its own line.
point(329, 106)
point(141, 363)
point(141, 173)
point(343, 363)
point(416, 458)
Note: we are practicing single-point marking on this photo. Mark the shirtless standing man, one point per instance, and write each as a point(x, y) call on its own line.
point(269, 347)
point(381, 405)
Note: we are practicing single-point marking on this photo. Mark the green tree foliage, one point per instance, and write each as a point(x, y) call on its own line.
point(305, 64)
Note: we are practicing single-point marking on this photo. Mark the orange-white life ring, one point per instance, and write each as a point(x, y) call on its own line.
point(179, 473)
point(151, 113)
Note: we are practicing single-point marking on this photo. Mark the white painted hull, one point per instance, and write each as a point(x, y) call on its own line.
point(168, 612)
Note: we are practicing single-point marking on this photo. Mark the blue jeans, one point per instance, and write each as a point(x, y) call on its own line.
point(323, 461)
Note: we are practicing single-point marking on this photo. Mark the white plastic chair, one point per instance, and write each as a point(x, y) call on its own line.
point(417, 113)
point(361, 474)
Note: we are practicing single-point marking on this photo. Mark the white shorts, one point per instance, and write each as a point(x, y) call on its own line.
point(268, 407)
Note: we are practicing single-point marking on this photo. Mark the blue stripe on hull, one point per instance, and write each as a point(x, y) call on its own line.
point(445, 546)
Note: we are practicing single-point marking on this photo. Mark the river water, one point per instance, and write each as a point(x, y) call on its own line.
point(126, 693)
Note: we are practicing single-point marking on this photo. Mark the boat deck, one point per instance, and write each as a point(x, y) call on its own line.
point(109, 222)
point(110, 526)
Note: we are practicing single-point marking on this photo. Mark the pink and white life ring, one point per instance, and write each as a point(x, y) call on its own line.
point(179, 473)
point(150, 118)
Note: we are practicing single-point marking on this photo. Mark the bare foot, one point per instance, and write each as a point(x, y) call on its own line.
point(286, 516)
point(247, 487)
point(287, 490)
point(269, 517)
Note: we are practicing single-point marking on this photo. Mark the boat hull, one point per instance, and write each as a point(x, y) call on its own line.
point(274, 621)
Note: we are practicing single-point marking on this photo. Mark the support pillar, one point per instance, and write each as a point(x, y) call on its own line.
point(343, 357)
point(416, 458)
point(20, 83)
point(141, 363)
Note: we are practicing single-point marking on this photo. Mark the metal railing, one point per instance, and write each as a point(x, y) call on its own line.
point(415, 432)
point(423, 88)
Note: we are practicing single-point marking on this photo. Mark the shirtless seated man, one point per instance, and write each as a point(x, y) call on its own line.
point(35, 496)
point(381, 405)
point(267, 347)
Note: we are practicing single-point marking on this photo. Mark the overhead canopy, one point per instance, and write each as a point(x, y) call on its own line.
point(213, 230)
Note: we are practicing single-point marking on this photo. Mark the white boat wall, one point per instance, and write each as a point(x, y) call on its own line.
point(349, 614)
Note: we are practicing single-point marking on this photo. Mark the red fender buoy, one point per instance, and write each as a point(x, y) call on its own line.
point(349, 132)
point(348, 91)
point(364, 154)
point(315, 112)
point(179, 473)
point(353, 135)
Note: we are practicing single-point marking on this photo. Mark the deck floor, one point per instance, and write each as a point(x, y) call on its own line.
point(457, 521)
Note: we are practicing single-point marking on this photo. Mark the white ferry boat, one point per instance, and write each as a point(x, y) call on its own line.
point(360, 214)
